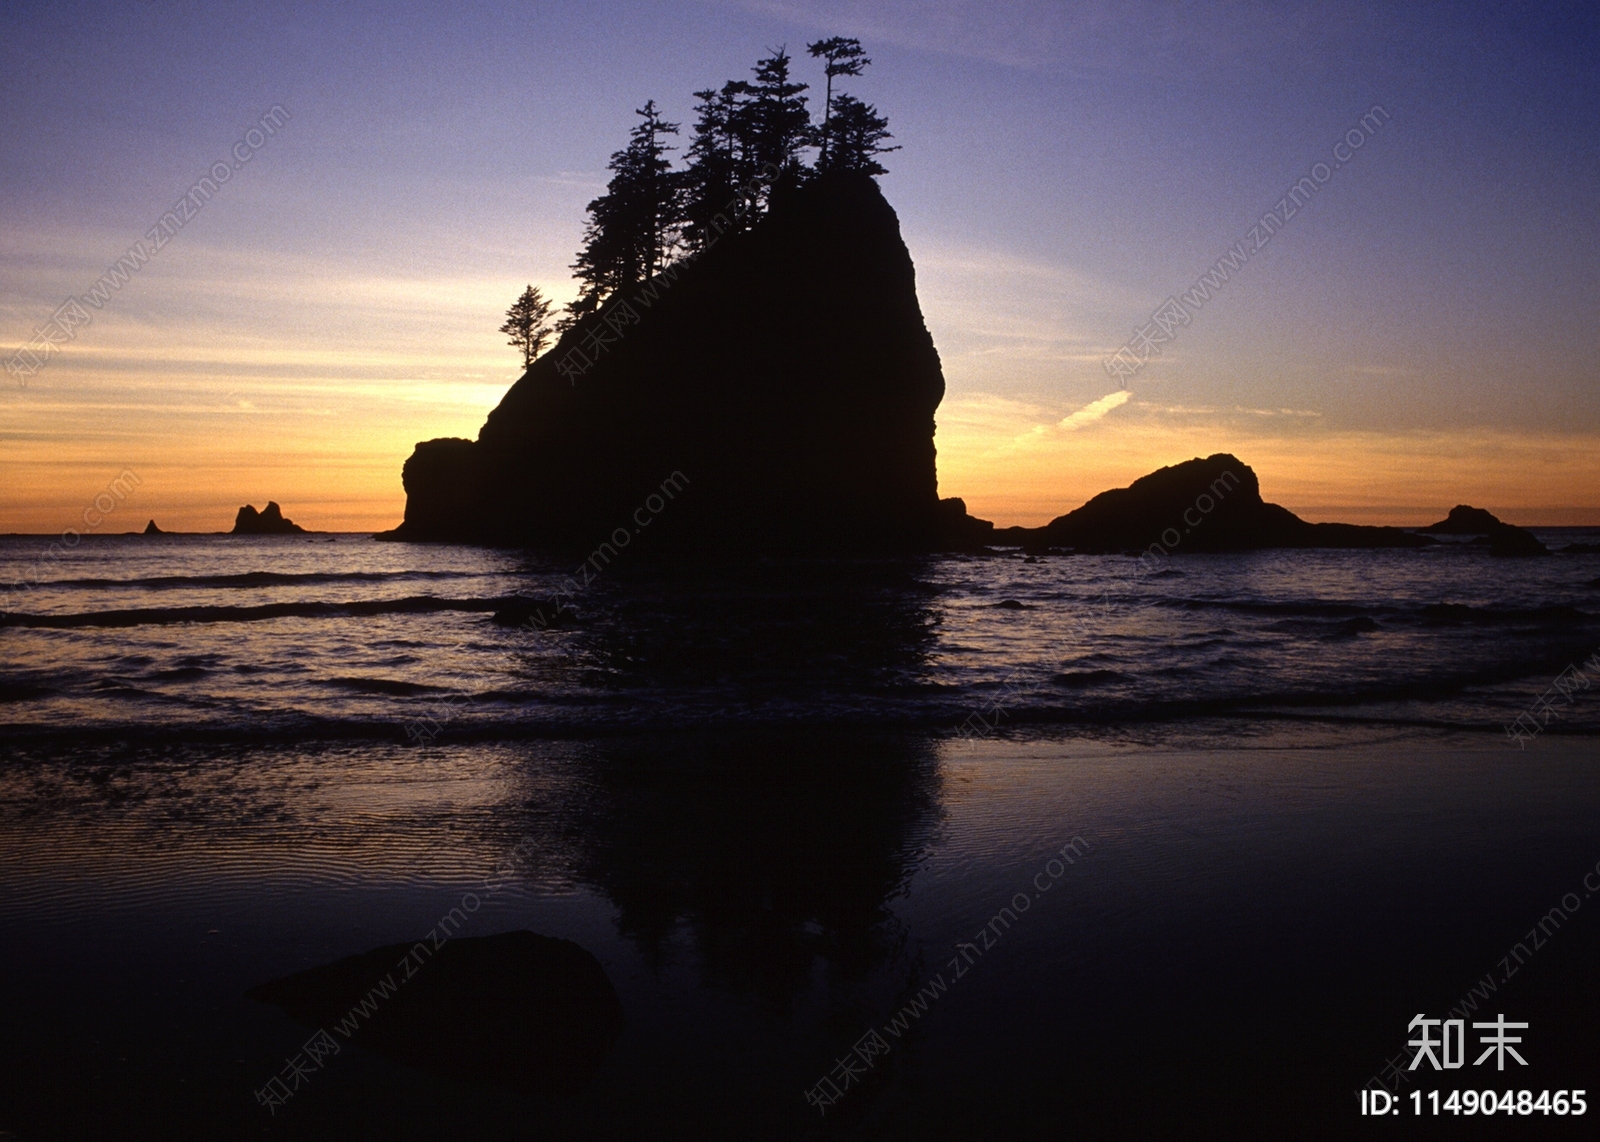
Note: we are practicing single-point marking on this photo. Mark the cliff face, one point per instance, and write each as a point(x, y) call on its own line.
point(785, 374)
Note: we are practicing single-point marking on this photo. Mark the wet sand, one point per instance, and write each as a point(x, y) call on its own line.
point(1236, 945)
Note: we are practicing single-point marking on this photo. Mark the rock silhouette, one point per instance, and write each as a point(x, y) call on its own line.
point(1502, 538)
point(1208, 505)
point(785, 373)
point(151, 529)
point(1464, 520)
point(268, 521)
point(515, 1010)
point(955, 530)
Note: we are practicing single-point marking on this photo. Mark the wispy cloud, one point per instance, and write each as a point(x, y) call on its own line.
point(1089, 414)
point(1217, 411)
point(588, 180)
point(1383, 371)
point(1175, 409)
point(1094, 410)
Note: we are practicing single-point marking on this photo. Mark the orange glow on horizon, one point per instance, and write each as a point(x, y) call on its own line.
point(334, 480)
point(1011, 469)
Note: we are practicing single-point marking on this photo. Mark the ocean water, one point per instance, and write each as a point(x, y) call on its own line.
point(780, 802)
point(344, 637)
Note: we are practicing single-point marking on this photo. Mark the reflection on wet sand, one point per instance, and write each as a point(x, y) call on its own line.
point(779, 853)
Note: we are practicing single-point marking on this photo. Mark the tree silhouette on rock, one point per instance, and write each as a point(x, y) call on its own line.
point(634, 228)
point(843, 56)
point(779, 124)
point(528, 324)
point(721, 160)
point(858, 133)
point(749, 140)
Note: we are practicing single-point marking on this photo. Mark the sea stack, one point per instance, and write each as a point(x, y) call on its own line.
point(151, 529)
point(774, 393)
point(268, 521)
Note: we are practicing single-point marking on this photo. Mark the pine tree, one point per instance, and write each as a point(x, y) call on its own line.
point(844, 56)
point(780, 125)
point(858, 133)
point(720, 161)
point(634, 228)
point(528, 324)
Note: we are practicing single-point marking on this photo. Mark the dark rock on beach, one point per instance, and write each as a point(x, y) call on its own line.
point(268, 521)
point(516, 1010)
point(774, 393)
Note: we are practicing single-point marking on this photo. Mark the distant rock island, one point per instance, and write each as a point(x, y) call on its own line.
point(1199, 505)
point(268, 521)
point(151, 529)
point(1502, 538)
point(1464, 520)
point(1214, 505)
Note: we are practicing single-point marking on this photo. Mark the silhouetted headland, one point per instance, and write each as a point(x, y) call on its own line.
point(151, 529)
point(514, 1010)
point(268, 521)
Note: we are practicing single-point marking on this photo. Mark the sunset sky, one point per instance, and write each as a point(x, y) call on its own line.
point(1422, 332)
